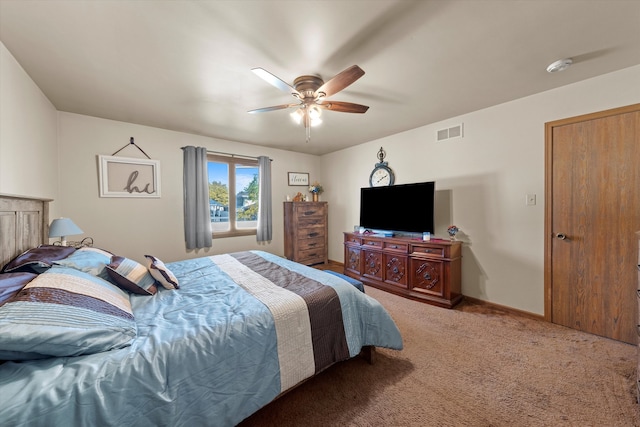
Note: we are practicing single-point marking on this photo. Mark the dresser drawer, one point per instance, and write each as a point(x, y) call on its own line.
point(311, 222)
point(352, 240)
point(310, 233)
point(314, 243)
point(311, 209)
point(369, 243)
point(396, 247)
point(431, 251)
point(311, 256)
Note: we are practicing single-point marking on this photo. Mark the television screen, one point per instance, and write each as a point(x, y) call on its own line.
point(406, 207)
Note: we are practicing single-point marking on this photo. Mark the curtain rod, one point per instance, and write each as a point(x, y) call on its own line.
point(234, 155)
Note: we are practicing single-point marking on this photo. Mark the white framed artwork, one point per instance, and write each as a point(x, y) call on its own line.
point(127, 177)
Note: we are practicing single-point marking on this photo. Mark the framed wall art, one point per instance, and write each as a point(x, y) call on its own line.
point(126, 177)
point(298, 178)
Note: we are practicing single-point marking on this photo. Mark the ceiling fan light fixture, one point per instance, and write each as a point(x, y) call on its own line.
point(559, 65)
point(314, 112)
point(311, 91)
point(297, 115)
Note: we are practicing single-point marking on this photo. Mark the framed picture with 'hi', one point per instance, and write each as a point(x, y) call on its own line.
point(127, 177)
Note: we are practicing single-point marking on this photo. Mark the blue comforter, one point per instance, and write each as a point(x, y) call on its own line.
point(210, 353)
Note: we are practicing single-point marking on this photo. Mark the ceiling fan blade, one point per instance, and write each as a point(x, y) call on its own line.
point(275, 81)
point(275, 107)
point(340, 81)
point(343, 107)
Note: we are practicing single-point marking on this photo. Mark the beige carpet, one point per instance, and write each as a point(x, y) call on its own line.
point(470, 367)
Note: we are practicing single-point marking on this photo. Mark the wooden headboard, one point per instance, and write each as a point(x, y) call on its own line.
point(24, 224)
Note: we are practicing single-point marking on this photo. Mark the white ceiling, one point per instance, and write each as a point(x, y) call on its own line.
point(186, 65)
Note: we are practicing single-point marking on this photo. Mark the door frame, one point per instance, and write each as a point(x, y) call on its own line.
point(548, 184)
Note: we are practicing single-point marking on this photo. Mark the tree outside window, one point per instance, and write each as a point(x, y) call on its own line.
point(233, 195)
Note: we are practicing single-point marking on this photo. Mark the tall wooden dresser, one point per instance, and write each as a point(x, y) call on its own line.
point(306, 232)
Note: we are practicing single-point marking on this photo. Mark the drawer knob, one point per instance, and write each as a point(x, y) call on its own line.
point(394, 246)
point(312, 234)
point(428, 251)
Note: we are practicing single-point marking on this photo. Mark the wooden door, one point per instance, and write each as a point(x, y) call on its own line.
point(592, 213)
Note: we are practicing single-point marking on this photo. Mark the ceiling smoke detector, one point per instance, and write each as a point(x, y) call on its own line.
point(559, 65)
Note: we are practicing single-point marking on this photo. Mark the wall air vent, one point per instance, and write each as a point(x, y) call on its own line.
point(452, 132)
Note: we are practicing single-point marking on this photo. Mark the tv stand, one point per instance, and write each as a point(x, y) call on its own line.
point(427, 271)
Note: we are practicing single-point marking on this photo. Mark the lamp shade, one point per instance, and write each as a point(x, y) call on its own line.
point(62, 227)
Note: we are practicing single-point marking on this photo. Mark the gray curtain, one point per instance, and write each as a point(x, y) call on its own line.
point(264, 232)
point(197, 222)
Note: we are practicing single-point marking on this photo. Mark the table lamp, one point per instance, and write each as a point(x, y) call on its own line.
point(63, 227)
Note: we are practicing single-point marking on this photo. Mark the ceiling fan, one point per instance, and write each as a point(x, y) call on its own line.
point(311, 92)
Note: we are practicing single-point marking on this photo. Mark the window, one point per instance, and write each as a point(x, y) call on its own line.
point(233, 195)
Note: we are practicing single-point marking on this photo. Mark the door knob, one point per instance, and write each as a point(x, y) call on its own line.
point(561, 236)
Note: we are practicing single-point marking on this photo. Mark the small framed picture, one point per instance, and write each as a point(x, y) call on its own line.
point(124, 177)
point(298, 178)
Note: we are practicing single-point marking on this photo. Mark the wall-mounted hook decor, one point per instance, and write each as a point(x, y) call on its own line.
point(132, 142)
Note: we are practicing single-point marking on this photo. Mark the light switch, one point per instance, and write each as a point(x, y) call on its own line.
point(531, 199)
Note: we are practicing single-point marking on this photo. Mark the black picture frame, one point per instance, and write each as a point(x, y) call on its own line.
point(298, 179)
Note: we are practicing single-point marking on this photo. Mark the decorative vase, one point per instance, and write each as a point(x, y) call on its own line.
point(315, 197)
point(452, 230)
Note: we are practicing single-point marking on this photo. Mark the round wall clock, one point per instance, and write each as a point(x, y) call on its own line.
point(382, 175)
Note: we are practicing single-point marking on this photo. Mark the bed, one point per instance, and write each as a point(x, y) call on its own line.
point(204, 341)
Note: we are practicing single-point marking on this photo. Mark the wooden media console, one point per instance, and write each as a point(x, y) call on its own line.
point(427, 271)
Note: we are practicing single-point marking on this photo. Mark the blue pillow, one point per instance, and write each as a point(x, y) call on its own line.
point(65, 312)
point(88, 259)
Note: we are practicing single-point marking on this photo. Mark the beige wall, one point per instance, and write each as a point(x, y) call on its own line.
point(50, 154)
point(28, 141)
point(134, 227)
point(482, 179)
point(481, 183)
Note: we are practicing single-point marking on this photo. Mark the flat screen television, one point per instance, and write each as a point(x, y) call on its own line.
point(398, 208)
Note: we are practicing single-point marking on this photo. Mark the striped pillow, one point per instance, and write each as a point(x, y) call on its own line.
point(65, 312)
point(161, 273)
point(131, 276)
